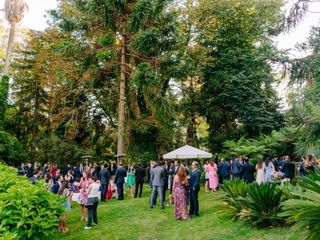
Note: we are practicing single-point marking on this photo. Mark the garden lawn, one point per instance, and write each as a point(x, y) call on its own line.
point(133, 219)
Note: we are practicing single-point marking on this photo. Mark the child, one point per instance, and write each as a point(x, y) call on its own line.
point(113, 188)
point(66, 192)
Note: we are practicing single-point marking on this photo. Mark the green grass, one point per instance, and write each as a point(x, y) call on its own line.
point(133, 219)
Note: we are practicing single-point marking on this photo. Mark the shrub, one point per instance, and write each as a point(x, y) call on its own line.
point(233, 190)
point(304, 210)
point(27, 211)
point(261, 205)
point(11, 150)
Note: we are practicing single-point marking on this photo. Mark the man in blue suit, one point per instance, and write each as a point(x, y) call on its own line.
point(224, 168)
point(194, 188)
point(120, 174)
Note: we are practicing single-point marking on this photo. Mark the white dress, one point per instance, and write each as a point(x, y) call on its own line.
point(260, 174)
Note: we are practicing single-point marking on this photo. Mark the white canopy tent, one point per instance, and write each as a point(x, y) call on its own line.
point(187, 152)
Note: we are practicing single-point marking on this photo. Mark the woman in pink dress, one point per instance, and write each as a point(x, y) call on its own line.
point(83, 197)
point(212, 170)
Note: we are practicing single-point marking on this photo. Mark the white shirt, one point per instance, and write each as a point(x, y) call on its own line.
point(94, 192)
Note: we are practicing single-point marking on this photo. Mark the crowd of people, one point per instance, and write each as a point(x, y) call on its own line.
point(88, 184)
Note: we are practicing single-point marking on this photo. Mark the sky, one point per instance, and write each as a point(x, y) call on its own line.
point(35, 19)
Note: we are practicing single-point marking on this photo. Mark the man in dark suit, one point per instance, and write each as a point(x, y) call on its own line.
point(29, 172)
point(120, 174)
point(113, 168)
point(157, 178)
point(55, 189)
point(288, 168)
point(76, 172)
point(139, 175)
point(247, 171)
point(235, 168)
point(21, 170)
point(67, 169)
point(174, 171)
point(224, 169)
point(104, 179)
point(194, 188)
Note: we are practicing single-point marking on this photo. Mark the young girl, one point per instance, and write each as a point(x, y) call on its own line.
point(113, 189)
point(66, 192)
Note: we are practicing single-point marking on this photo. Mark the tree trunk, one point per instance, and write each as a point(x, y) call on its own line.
point(35, 127)
point(122, 99)
point(9, 49)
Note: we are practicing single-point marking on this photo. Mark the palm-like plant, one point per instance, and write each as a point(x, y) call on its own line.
point(304, 210)
point(234, 189)
point(14, 12)
point(261, 205)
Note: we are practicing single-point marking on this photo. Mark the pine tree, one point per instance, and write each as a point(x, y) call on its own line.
point(127, 41)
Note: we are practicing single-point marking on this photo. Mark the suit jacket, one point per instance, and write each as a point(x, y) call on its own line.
point(120, 174)
point(194, 181)
point(175, 169)
point(76, 173)
point(235, 167)
point(158, 176)
point(247, 172)
point(29, 172)
point(224, 169)
point(140, 174)
point(105, 176)
point(55, 188)
point(289, 169)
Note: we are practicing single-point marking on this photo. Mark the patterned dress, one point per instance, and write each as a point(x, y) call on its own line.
point(180, 201)
point(83, 197)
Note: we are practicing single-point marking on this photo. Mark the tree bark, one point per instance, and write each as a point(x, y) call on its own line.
point(35, 127)
point(9, 49)
point(122, 99)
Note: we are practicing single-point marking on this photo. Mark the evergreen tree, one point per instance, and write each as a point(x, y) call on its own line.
point(127, 41)
point(238, 98)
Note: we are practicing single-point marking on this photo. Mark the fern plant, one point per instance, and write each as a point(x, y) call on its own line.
point(261, 205)
point(304, 210)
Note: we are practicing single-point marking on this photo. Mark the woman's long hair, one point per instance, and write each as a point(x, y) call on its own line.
point(260, 164)
point(182, 175)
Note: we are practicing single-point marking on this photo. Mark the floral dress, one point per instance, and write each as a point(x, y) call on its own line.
point(180, 201)
point(83, 197)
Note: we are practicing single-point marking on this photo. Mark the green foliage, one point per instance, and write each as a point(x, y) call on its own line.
point(148, 42)
point(27, 211)
point(11, 150)
point(234, 189)
point(304, 209)
point(237, 94)
point(261, 205)
point(104, 55)
point(4, 91)
point(56, 150)
point(107, 40)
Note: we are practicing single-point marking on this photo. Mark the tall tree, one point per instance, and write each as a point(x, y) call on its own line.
point(14, 12)
point(127, 42)
point(238, 98)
